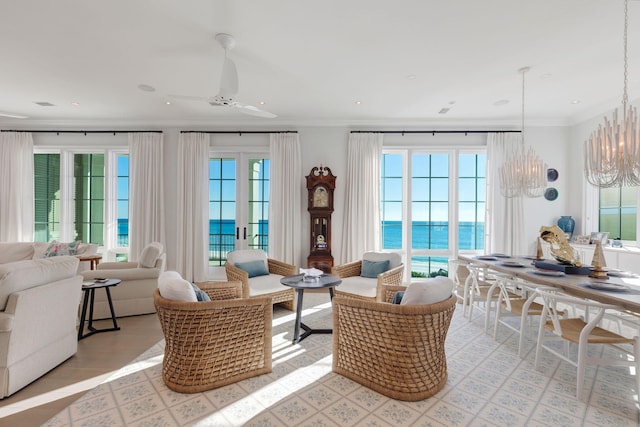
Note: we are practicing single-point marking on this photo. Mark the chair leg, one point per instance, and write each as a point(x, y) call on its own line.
point(539, 343)
point(582, 356)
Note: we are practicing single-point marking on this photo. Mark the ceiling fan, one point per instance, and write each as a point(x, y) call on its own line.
point(228, 84)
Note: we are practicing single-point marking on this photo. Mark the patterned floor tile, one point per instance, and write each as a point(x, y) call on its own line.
point(488, 384)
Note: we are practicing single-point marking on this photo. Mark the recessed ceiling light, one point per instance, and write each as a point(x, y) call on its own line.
point(167, 102)
point(358, 102)
point(411, 77)
point(147, 88)
point(75, 104)
point(262, 103)
point(576, 101)
point(501, 102)
point(545, 76)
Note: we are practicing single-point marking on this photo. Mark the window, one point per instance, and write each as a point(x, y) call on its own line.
point(82, 195)
point(238, 205)
point(617, 212)
point(446, 215)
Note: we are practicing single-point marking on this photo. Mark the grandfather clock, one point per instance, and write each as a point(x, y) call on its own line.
point(320, 186)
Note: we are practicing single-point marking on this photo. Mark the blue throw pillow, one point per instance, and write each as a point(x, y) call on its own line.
point(373, 268)
point(397, 297)
point(200, 294)
point(254, 268)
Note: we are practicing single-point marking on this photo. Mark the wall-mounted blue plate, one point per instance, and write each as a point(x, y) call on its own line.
point(551, 194)
point(552, 175)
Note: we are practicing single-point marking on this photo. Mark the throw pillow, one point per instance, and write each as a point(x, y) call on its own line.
point(61, 249)
point(397, 297)
point(200, 294)
point(373, 268)
point(253, 268)
point(172, 286)
point(429, 291)
point(149, 255)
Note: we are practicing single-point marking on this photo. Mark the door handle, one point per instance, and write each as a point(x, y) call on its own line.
point(237, 233)
point(245, 233)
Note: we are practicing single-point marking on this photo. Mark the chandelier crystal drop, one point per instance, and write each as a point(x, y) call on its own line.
point(612, 152)
point(523, 173)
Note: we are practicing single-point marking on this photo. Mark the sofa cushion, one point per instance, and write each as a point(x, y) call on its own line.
point(17, 251)
point(261, 285)
point(429, 291)
point(253, 268)
point(61, 249)
point(20, 275)
point(172, 286)
point(373, 268)
point(150, 255)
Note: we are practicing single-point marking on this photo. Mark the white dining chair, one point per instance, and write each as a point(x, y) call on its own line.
point(583, 331)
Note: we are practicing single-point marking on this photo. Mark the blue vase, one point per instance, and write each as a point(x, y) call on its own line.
point(567, 224)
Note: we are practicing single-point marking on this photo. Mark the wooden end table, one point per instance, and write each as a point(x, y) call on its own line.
point(94, 260)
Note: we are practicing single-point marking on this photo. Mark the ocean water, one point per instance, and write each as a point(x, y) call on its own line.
point(425, 235)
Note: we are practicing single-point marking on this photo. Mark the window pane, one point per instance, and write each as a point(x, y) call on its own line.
point(88, 182)
point(391, 201)
point(423, 266)
point(471, 204)
point(258, 232)
point(122, 236)
point(618, 212)
point(46, 173)
point(222, 214)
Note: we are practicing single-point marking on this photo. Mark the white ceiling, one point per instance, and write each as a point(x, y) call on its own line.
point(310, 61)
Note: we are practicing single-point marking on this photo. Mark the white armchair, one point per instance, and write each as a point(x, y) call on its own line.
point(358, 283)
point(266, 282)
point(134, 295)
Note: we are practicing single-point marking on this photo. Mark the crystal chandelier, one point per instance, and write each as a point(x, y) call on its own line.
point(612, 152)
point(523, 173)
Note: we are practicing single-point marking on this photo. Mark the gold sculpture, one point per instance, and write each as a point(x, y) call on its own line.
point(561, 250)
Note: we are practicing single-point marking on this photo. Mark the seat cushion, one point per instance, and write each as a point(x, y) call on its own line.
point(358, 285)
point(428, 291)
point(261, 285)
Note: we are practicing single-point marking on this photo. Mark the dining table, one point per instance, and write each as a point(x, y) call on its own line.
point(619, 288)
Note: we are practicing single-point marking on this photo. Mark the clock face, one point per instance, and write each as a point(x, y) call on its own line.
point(320, 198)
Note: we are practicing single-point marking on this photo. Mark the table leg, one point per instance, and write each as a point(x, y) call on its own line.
point(296, 330)
point(83, 316)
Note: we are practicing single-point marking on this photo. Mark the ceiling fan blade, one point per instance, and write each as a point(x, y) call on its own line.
point(254, 111)
point(190, 98)
point(229, 79)
point(13, 116)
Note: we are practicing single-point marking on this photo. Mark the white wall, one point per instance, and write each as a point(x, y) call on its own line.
point(327, 145)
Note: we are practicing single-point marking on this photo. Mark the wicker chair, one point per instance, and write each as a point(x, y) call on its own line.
point(369, 289)
point(263, 285)
point(212, 344)
point(396, 350)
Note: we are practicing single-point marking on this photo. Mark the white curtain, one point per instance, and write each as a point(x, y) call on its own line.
point(285, 197)
point(16, 187)
point(504, 221)
point(193, 206)
point(361, 226)
point(146, 191)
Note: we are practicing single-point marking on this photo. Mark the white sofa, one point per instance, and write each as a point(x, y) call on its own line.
point(20, 251)
point(134, 295)
point(38, 313)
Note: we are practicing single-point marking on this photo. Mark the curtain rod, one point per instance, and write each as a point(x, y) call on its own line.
point(433, 132)
point(239, 132)
point(83, 131)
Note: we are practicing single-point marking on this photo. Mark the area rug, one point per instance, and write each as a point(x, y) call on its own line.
point(488, 385)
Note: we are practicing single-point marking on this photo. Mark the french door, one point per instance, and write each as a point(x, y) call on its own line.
point(238, 205)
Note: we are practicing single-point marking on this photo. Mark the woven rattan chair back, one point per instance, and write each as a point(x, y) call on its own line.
point(212, 344)
point(396, 350)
